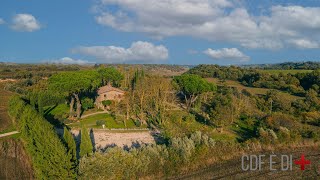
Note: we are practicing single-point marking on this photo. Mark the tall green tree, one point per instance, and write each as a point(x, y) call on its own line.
point(71, 147)
point(86, 147)
point(72, 84)
point(191, 86)
point(110, 75)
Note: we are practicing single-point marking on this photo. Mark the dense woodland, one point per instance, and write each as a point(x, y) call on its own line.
point(307, 65)
point(199, 121)
point(294, 83)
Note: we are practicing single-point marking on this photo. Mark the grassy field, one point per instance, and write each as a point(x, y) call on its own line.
point(291, 71)
point(252, 90)
point(60, 109)
point(63, 110)
point(90, 122)
point(5, 120)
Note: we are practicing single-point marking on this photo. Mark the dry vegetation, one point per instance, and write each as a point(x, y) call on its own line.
point(5, 120)
point(15, 163)
point(232, 168)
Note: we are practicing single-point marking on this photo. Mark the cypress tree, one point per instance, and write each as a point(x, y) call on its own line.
point(49, 155)
point(85, 144)
point(71, 148)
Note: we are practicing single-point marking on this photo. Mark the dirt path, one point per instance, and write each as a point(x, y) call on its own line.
point(8, 80)
point(100, 112)
point(9, 134)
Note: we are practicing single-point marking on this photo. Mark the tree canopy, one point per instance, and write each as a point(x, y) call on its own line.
point(193, 85)
point(86, 147)
point(110, 75)
point(71, 84)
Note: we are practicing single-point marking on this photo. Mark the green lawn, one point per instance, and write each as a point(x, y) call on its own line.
point(110, 122)
point(60, 109)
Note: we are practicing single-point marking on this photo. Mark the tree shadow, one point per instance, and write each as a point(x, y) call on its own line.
point(201, 119)
point(93, 142)
point(104, 149)
point(135, 144)
point(245, 133)
point(53, 121)
point(47, 111)
point(77, 139)
point(159, 138)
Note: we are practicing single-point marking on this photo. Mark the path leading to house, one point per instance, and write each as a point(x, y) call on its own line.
point(9, 134)
point(100, 112)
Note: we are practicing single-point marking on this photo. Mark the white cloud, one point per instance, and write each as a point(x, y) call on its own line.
point(304, 43)
point(25, 22)
point(2, 21)
point(68, 60)
point(227, 54)
point(214, 20)
point(138, 52)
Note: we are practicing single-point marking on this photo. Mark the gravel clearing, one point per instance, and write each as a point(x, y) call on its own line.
point(107, 138)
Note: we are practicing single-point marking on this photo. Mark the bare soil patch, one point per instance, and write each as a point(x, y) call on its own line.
point(14, 162)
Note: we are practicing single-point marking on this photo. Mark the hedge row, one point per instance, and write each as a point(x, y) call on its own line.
point(49, 154)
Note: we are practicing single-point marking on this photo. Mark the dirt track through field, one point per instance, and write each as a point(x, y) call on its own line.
point(232, 169)
point(100, 112)
point(8, 134)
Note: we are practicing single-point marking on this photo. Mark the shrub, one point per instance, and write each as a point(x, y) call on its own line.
point(106, 102)
point(148, 160)
point(87, 103)
point(137, 123)
point(189, 117)
point(100, 122)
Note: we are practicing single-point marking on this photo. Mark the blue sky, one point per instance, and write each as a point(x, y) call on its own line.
point(155, 31)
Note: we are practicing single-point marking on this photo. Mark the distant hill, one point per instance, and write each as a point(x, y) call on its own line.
point(311, 65)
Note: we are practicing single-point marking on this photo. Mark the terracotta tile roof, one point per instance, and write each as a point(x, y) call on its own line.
point(108, 88)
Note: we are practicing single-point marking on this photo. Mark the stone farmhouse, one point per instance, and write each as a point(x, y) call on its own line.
point(108, 93)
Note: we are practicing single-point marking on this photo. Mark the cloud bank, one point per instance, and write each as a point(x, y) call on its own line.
point(141, 52)
point(215, 20)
